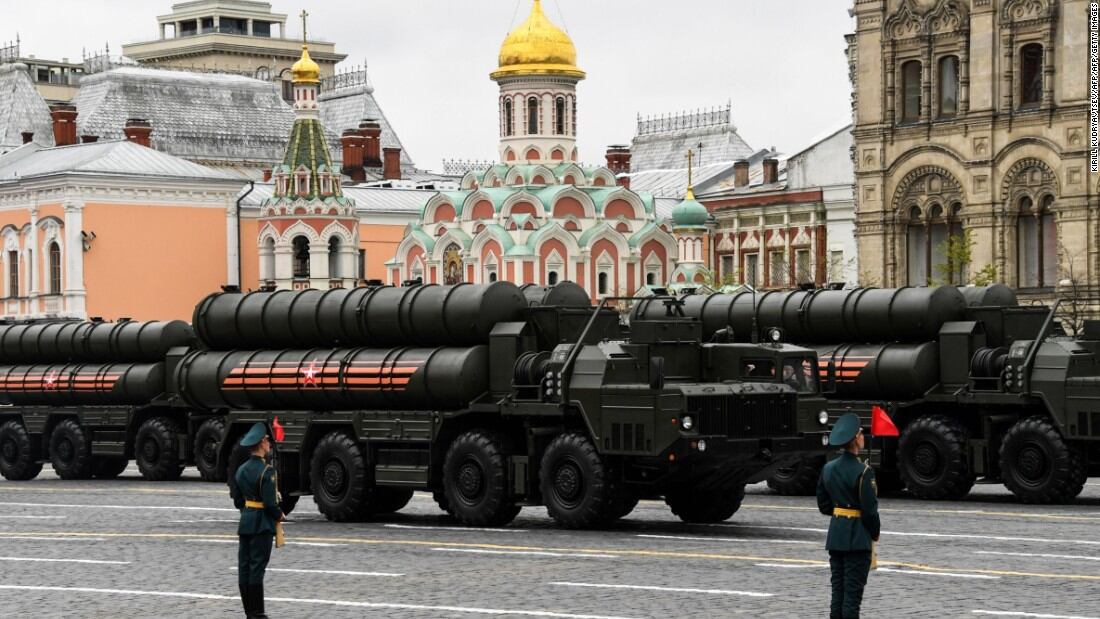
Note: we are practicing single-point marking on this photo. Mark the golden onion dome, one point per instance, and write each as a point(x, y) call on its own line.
point(305, 71)
point(538, 47)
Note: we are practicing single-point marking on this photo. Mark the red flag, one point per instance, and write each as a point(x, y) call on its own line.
point(881, 424)
point(280, 434)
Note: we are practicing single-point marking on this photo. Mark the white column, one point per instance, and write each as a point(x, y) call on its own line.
point(318, 265)
point(250, 27)
point(284, 265)
point(75, 294)
point(349, 268)
point(32, 262)
point(232, 254)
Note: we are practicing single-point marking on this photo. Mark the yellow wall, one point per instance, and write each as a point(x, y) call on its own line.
point(153, 262)
point(380, 241)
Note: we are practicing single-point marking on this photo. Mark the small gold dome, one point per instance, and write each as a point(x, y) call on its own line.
point(538, 47)
point(305, 71)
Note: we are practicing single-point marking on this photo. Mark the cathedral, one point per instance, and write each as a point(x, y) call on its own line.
point(539, 216)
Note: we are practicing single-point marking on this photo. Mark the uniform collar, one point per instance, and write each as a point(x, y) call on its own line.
point(844, 453)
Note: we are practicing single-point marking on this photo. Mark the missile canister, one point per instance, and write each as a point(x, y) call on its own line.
point(564, 294)
point(69, 341)
point(996, 295)
point(81, 384)
point(860, 315)
point(335, 379)
point(888, 371)
point(459, 315)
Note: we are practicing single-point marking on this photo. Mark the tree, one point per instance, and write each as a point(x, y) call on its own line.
point(957, 250)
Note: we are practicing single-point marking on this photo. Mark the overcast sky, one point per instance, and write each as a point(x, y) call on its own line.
point(780, 62)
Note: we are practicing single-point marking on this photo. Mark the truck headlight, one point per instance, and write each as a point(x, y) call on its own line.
point(687, 422)
point(702, 445)
point(823, 417)
point(825, 440)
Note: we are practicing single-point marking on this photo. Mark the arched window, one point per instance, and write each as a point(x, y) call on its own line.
point(334, 258)
point(910, 89)
point(532, 116)
point(492, 277)
point(552, 278)
point(559, 116)
point(13, 273)
point(301, 257)
point(1031, 75)
point(651, 279)
point(948, 87)
point(509, 125)
point(602, 282)
point(918, 249)
point(1037, 244)
point(55, 268)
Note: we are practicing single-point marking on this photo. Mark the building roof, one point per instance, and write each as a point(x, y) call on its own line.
point(110, 158)
point(347, 99)
point(673, 183)
point(21, 109)
point(367, 199)
point(211, 117)
point(662, 143)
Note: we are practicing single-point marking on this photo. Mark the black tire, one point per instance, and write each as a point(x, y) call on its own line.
point(620, 507)
point(109, 467)
point(208, 440)
point(156, 450)
point(799, 479)
point(706, 507)
point(18, 454)
point(1038, 466)
point(441, 500)
point(71, 451)
point(390, 500)
point(575, 483)
point(475, 480)
point(932, 459)
point(338, 477)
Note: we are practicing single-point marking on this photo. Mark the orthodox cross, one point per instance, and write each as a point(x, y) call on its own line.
point(304, 16)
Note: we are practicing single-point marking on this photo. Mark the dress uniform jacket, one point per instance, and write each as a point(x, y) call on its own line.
point(256, 482)
point(839, 486)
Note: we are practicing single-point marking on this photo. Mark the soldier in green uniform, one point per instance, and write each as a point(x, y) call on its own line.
point(255, 495)
point(846, 492)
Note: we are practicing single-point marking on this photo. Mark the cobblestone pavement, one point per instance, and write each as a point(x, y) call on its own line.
point(129, 548)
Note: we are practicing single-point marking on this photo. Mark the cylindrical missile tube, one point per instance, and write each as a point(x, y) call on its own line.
point(459, 315)
point(860, 315)
point(889, 371)
point(72, 341)
point(564, 294)
point(335, 379)
point(81, 384)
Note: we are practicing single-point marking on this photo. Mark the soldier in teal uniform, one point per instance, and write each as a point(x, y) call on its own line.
point(846, 492)
point(255, 495)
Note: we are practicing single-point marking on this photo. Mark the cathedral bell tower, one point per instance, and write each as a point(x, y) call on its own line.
point(309, 232)
point(538, 78)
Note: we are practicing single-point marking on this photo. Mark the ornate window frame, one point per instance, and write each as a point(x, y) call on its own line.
point(1023, 22)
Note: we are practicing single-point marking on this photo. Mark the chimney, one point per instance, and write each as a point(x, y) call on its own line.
point(267, 175)
point(372, 147)
point(89, 139)
point(391, 164)
point(138, 130)
point(28, 137)
point(351, 142)
point(64, 124)
point(618, 159)
point(771, 171)
point(741, 173)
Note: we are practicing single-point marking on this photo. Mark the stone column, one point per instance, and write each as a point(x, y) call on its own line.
point(177, 26)
point(75, 295)
point(318, 265)
point(964, 79)
point(232, 238)
point(1048, 69)
point(32, 262)
point(284, 265)
point(927, 71)
point(1007, 81)
point(249, 27)
point(889, 71)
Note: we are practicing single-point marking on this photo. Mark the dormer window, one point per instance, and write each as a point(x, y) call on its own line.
point(326, 184)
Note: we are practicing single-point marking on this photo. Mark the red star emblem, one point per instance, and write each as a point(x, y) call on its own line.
point(51, 381)
point(310, 374)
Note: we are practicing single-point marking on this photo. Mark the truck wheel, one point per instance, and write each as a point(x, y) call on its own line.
point(18, 457)
point(156, 449)
point(620, 507)
point(208, 438)
point(109, 467)
point(390, 500)
point(338, 476)
point(574, 483)
point(1038, 466)
point(70, 451)
point(698, 507)
point(799, 479)
point(475, 480)
point(441, 500)
point(932, 458)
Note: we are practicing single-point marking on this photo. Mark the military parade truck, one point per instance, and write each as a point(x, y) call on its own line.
point(977, 384)
point(493, 398)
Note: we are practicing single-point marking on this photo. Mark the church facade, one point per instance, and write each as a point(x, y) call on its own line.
point(538, 216)
point(971, 127)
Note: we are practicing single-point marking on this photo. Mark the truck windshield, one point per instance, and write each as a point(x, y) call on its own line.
point(799, 373)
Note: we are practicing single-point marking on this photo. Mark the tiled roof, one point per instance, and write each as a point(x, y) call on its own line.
point(204, 116)
point(345, 108)
point(117, 157)
point(369, 199)
point(21, 109)
point(673, 183)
